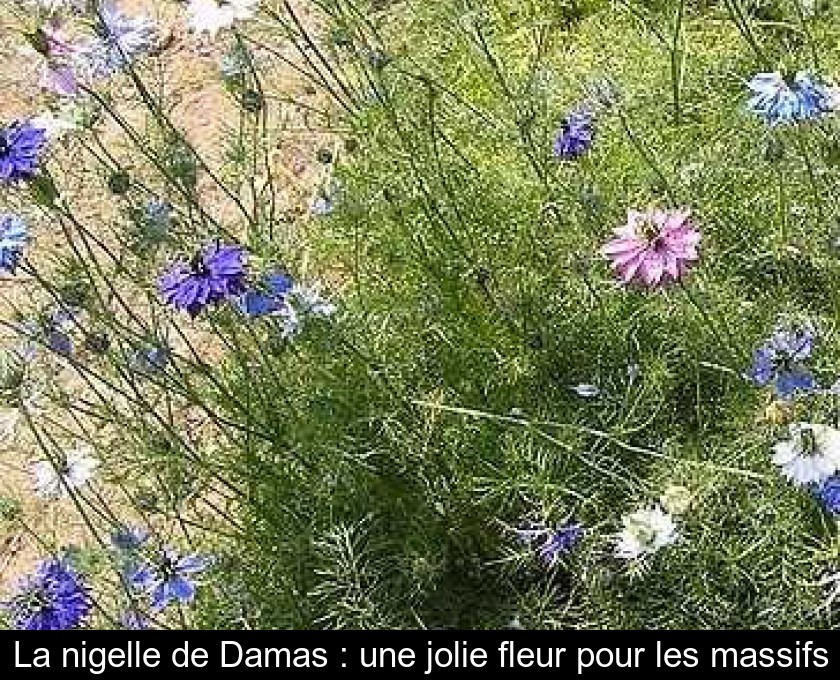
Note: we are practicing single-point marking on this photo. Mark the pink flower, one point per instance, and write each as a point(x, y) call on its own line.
point(60, 80)
point(57, 73)
point(654, 248)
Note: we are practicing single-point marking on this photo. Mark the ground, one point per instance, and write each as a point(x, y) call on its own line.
point(203, 109)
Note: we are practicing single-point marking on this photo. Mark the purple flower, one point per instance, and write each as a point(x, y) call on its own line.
point(270, 297)
point(215, 273)
point(828, 494)
point(60, 343)
point(552, 544)
point(14, 237)
point(559, 542)
point(169, 580)
point(575, 136)
point(20, 147)
point(781, 359)
point(53, 598)
point(58, 74)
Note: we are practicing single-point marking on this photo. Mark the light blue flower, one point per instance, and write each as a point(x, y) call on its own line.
point(780, 361)
point(159, 215)
point(171, 580)
point(120, 40)
point(149, 360)
point(14, 236)
point(779, 100)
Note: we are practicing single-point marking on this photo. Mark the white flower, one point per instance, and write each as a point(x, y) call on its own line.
point(55, 126)
point(9, 420)
point(53, 6)
point(676, 499)
point(811, 455)
point(586, 390)
point(308, 299)
point(210, 16)
point(645, 531)
point(289, 322)
point(76, 470)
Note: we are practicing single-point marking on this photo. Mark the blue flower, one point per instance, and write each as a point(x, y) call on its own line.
point(13, 239)
point(170, 580)
point(270, 297)
point(57, 331)
point(215, 273)
point(780, 361)
point(559, 542)
point(134, 620)
point(129, 539)
point(552, 543)
point(60, 343)
point(828, 494)
point(53, 598)
point(20, 149)
point(780, 100)
point(149, 359)
point(576, 134)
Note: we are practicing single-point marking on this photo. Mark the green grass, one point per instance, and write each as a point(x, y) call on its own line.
point(475, 298)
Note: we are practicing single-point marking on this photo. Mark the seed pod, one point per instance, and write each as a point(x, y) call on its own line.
point(119, 183)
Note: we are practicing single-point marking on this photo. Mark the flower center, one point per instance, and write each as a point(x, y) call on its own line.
point(808, 444)
point(167, 569)
point(643, 533)
point(62, 466)
point(650, 232)
point(783, 363)
point(789, 79)
point(4, 145)
point(36, 600)
point(198, 265)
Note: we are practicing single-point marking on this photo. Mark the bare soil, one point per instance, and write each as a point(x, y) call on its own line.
point(204, 110)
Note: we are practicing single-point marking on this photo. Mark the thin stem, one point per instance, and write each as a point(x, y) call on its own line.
point(724, 339)
point(677, 61)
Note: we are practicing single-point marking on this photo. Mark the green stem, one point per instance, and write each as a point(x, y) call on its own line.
point(742, 22)
point(645, 153)
point(723, 338)
point(677, 61)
